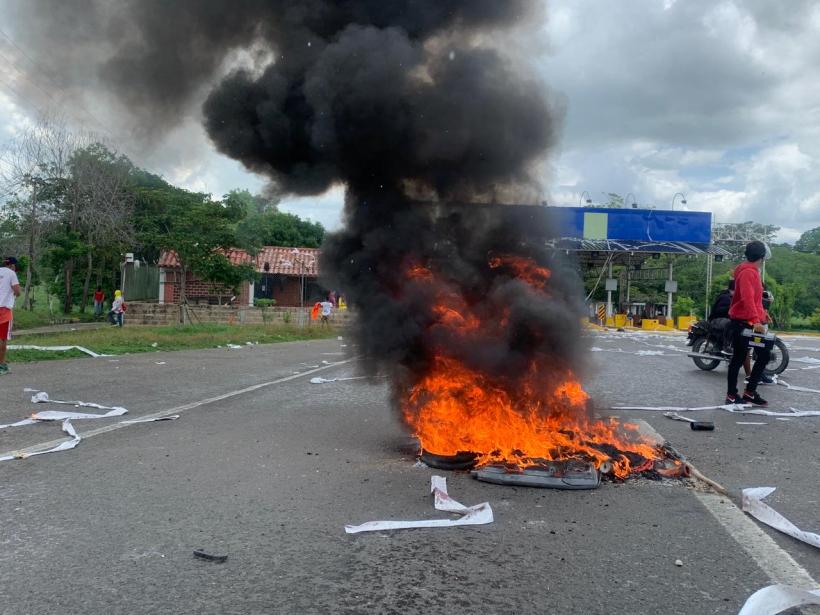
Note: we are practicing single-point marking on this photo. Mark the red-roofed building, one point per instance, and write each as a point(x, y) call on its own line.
point(283, 274)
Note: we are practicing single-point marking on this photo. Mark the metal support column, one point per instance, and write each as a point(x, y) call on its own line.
point(710, 260)
point(609, 295)
point(669, 295)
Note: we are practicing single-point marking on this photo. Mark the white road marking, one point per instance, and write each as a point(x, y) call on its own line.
point(778, 565)
point(178, 409)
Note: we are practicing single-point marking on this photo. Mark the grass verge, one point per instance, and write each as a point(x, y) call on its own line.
point(116, 341)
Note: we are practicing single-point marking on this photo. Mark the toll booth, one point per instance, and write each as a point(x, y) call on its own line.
point(602, 238)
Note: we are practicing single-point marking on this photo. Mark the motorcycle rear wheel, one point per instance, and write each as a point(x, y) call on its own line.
point(705, 364)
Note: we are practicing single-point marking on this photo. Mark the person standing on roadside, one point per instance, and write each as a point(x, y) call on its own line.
point(99, 298)
point(9, 291)
point(746, 311)
point(327, 309)
point(117, 308)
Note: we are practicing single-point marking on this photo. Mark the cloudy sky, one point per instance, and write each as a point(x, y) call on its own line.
point(717, 100)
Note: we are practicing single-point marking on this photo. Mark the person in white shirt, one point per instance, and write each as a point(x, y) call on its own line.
point(117, 308)
point(9, 291)
point(327, 308)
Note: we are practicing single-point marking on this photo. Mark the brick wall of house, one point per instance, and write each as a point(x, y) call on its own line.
point(288, 293)
point(285, 292)
point(150, 313)
point(196, 289)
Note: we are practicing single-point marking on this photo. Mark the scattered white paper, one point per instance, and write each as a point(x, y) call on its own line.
point(754, 505)
point(777, 598)
point(320, 380)
point(679, 408)
point(479, 514)
point(19, 423)
point(736, 409)
point(650, 353)
point(90, 353)
point(160, 362)
point(749, 423)
point(43, 398)
point(58, 415)
point(170, 417)
point(812, 360)
point(797, 388)
point(677, 417)
point(63, 446)
point(233, 346)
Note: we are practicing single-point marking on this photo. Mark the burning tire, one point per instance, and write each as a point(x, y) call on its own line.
point(462, 460)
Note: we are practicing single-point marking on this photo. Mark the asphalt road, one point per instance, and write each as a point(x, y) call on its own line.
point(270, 476)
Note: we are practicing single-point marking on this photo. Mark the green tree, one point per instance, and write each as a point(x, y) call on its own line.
point(218, 271)
point(809, 241)
point(189, 224)
point(614, 200)
point(815, 319)
point(278, 229)
point(683, 306)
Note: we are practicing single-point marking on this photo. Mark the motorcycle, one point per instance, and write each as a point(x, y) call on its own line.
point(710, 347)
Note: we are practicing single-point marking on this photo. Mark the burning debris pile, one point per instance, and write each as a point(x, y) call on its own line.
point(490, 376)
point(412, 106)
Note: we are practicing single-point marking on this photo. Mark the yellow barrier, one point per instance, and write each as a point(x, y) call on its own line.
point(685, 321)
point(620, 320)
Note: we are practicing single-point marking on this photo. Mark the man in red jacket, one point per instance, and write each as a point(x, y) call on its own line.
point(746, 312)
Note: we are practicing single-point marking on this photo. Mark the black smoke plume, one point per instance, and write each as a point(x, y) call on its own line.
point(413, 105)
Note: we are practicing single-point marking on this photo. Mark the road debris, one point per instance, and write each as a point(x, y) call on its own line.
point(63, 446)
point(734, 408)
point(151, 419)
point(797, 388)
point(693, 424)
point(479, 514)
point(778, 598)
point(320, 380)
point(219, 559)
point(43, 398)
point(754, 505)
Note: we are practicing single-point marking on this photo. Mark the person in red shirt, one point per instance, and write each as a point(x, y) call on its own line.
point(99, 298)
point(746, 312)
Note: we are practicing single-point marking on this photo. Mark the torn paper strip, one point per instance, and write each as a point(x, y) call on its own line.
point(797, 388)
point(58, 415)
point(811, 360)
point(170, 417)
point(90, 353)
point(479, 514)
point(63, 446)
point(754, 505)
point(735, 409)
point(319, 380)
point(778, 598)
point(679, 408)
point(19, 423)
point(43, 398)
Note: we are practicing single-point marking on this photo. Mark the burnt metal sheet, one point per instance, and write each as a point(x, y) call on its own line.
point(548, 475)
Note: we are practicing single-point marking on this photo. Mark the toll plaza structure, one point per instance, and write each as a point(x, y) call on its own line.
point(601, 238)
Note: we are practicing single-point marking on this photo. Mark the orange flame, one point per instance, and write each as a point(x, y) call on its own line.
point(537, 415)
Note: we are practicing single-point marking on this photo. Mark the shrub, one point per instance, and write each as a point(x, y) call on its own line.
point(815, 319)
